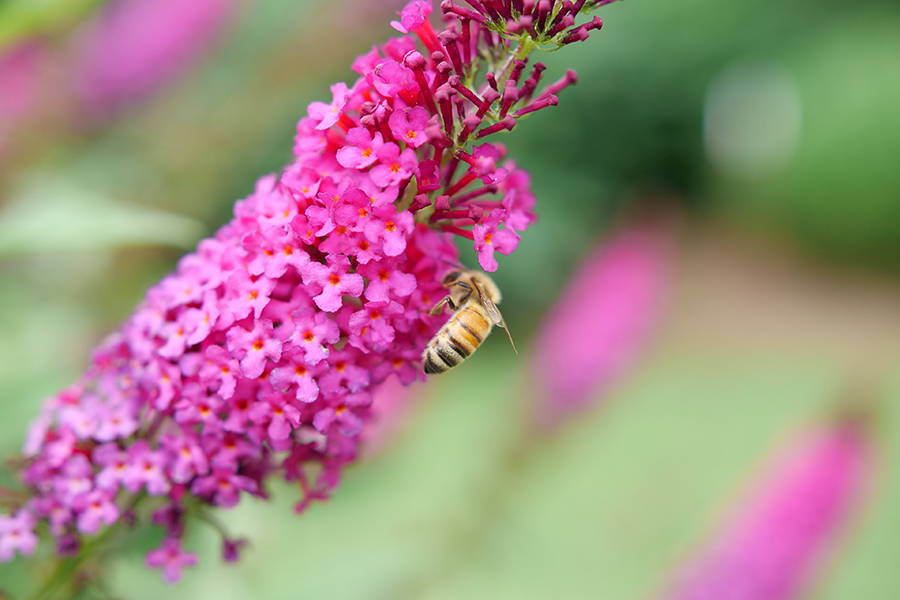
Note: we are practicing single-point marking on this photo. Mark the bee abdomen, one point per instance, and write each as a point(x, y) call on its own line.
point(433, 365)
point(456, 341)
point(459, 346)
point(439, 358)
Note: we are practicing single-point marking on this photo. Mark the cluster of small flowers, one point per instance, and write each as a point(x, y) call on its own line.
point(260, 353)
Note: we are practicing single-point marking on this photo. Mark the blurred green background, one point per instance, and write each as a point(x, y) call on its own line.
point(774, 130)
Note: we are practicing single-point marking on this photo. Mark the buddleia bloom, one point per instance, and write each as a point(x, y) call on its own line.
point(258, 356)
point(774, 544)
point(601, 321)
point(133, 46)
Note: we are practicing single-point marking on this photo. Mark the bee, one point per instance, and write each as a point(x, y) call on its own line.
point(474, 296)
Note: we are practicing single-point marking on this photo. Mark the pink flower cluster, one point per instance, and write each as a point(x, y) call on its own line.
point(260, 353)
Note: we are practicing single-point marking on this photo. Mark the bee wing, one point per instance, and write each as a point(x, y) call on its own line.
point(494, 313)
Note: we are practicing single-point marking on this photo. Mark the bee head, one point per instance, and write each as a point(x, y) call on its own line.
point(451, 277)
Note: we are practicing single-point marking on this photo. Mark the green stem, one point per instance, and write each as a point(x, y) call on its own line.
point(408, 195)
point(66, 567)
point(526, 45)
point(211, 520)
point(423, 215)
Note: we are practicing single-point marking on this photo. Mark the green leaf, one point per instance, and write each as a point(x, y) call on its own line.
point(57, 215)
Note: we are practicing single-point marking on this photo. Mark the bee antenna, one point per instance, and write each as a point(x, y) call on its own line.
point(455, 264)
point(509, 335)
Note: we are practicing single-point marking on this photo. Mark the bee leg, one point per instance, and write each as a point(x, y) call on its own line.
point(437, 308)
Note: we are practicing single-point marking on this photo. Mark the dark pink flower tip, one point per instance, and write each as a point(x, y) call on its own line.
point(231, 549)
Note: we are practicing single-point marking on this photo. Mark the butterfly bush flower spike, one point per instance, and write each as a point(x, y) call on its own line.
point(21, 67)
point(601, 321)
point(258, 357)
point(771, 548)
point(136, 45)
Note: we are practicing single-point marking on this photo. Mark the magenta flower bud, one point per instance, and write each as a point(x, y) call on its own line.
point(570, 78)
point(539, 104)
point(600, 322)
point(68, 545)
point(136, 45)
point(232, 548)
point(772, 546)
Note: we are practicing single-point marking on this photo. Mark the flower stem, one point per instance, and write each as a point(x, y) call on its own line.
point(526, 45)
point(67, 567)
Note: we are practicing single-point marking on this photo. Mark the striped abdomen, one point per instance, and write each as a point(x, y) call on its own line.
point(457, 339)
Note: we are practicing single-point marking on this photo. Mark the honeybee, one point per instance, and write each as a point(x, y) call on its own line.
point(474, 296)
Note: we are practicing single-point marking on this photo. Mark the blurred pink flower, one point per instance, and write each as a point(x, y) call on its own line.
point(391, 407)
point(170, 558)
point(770, 549)
point(20, 80)
point(600, 321)
point(135, 45)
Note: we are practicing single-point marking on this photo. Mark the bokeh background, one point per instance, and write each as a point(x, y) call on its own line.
point(767, 133)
